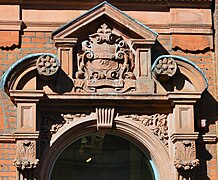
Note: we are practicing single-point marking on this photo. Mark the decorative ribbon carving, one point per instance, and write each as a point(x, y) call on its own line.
point(26, 153)
point(157, 123)
point(104, 62)
point(47, 65)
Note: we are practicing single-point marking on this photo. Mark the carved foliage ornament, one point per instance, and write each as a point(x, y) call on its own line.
point(157, 123)
point(26, 152)
point(185, 156)
point(47, 65)
point(165, 68)
point(51, 123)
point(104, 61)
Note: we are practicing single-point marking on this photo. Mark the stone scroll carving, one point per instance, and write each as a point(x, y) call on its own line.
point(47, 66)
point(156, 122)
point(26, 155)
point(105, 61)
point(165, 68)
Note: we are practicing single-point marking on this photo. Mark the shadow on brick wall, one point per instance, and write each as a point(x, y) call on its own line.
point(206, 108)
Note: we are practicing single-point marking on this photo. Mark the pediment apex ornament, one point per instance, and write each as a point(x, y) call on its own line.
point(107, 10)
point(105, 60)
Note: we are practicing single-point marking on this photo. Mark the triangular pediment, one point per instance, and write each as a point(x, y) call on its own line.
point(109, 13)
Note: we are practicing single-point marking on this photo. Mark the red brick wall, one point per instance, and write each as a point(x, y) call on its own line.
point(31, 42)
point(7, 155)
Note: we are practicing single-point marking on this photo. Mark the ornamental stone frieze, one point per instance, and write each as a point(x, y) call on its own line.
point(156, 122)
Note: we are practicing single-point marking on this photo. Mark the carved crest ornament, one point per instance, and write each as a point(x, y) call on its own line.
point(105, 61)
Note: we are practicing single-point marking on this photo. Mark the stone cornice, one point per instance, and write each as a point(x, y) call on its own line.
point(121, 4)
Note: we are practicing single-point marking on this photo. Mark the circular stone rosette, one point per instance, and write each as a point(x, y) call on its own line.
point(165, 68)
point(47, 66)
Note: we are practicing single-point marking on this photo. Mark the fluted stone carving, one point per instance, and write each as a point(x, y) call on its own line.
point(186, 161)
point(105, 117)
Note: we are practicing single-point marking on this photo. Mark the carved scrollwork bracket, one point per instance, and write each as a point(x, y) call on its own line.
point(156, 122)
point(165, 68)
point(26, 155)
point(47, 66)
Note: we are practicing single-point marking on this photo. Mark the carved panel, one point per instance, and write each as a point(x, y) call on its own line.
point(157, 123)
point(184, 118)
point(26, 116)
point(105, 61)
point(26, 155)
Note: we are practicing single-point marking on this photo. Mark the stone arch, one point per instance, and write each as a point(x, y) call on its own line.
point(139, 135)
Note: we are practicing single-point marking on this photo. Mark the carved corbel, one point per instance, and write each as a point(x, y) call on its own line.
point(185, 161)
point(26, 155)
point(105, 117)
point(165, 68)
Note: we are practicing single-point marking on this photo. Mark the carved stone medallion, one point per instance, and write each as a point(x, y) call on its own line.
point(47, 65)
point(105, 62)
point(165, 68)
